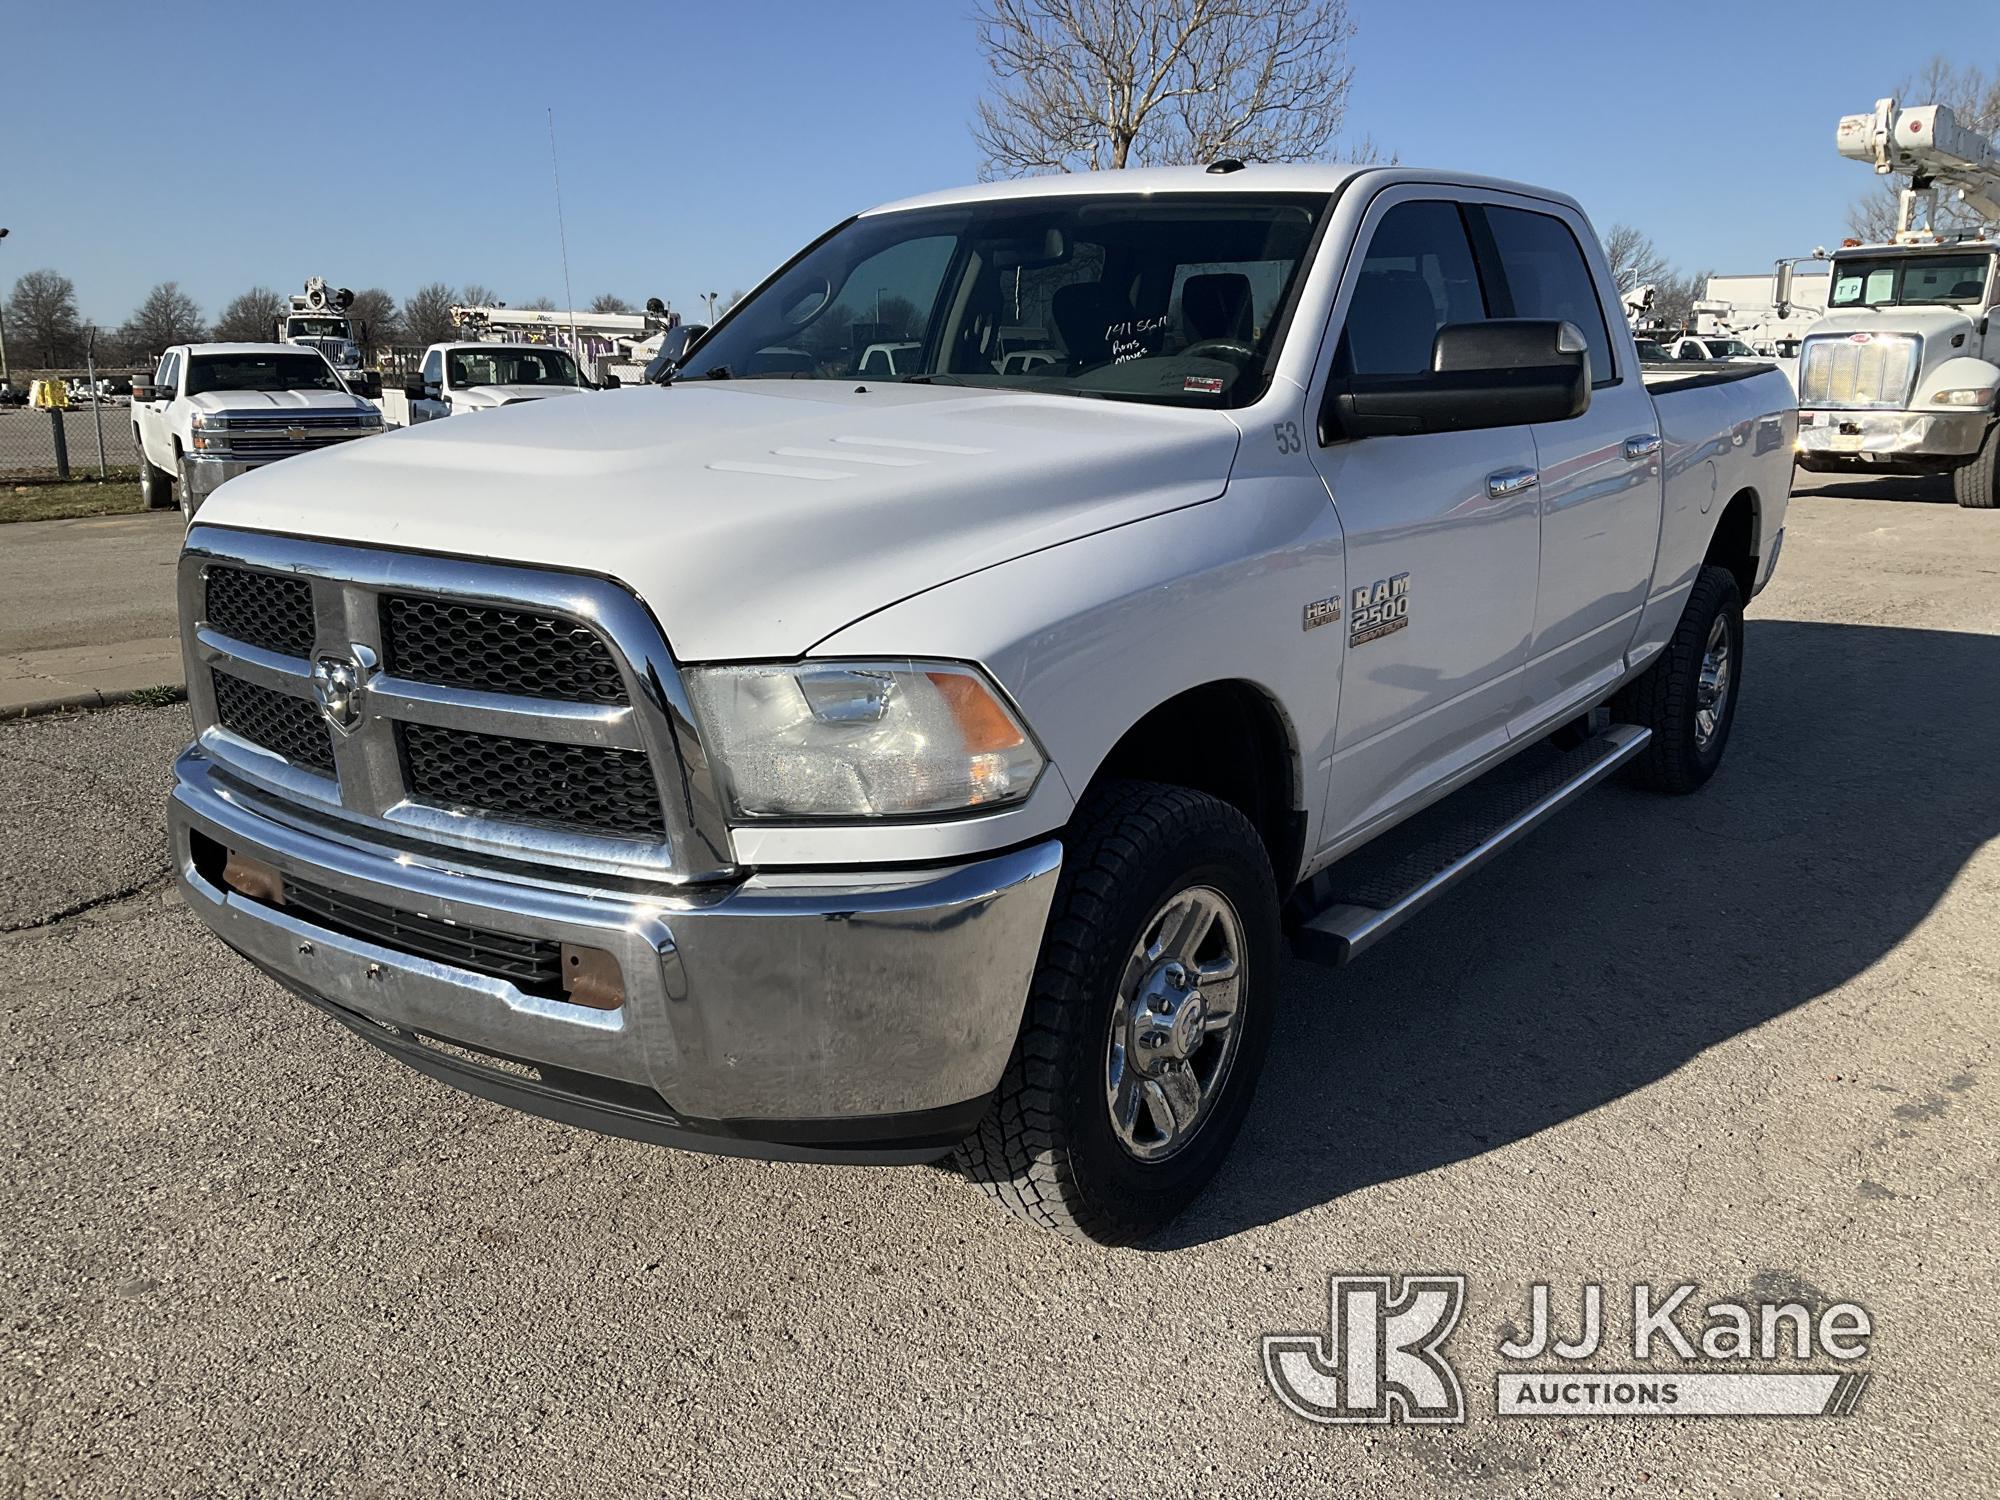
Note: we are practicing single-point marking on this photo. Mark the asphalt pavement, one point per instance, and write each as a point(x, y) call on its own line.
point(87, 609)
point(1744, 1039)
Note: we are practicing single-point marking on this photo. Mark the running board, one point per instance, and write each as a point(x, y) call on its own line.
point(1367, 895)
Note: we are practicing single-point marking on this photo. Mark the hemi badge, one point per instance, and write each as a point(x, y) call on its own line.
point(1322, 612)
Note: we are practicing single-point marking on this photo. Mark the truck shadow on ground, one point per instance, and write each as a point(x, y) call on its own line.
point(1634, 931)
point(1906, 489)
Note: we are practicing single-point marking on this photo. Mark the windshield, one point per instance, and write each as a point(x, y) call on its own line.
point(1908, 280)
point(316, 328)
point(259, 372)
point(503, 366)
point(1729, 349)
point(1177, 299)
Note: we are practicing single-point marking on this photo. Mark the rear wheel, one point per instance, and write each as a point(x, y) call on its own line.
point(1147, 1019)
point(1975, 484)
point(156, 485)
point(1687, 697)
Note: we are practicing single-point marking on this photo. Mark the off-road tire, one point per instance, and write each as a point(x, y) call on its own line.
point(1046, 1150)
point(1975, 484)
point(156, 485)
point(1663, 697)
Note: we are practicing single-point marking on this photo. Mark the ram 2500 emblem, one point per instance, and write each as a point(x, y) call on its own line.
point(1380, 608)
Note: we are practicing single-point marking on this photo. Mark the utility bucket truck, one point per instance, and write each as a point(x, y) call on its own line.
point(319, 319)
point(1899, 376)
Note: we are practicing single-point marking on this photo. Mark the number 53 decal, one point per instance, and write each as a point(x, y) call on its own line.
point(1287, 434)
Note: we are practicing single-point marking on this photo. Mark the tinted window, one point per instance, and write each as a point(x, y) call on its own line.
point(1549, 278)
point(1418, 276)
point(259, 372)
point(433, 371)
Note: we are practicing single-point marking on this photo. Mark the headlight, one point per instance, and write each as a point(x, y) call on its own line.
point(853, 739)
point(1975, 396)
point(210, 431)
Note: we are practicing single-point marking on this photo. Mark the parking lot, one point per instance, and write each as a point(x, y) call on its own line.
point(1743, 1039)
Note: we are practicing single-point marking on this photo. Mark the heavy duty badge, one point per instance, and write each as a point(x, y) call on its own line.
point(1380, 608)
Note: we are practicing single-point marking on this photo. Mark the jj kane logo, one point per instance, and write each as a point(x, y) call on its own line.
point(1383, 1359)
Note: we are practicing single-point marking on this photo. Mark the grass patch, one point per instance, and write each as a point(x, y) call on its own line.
point(62, 502)
point(164, 696)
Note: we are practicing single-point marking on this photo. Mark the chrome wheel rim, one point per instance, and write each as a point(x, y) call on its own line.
point(1711, 694)
point(1174, 1028)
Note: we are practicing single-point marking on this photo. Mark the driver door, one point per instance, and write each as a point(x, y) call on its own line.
point(1443, 531)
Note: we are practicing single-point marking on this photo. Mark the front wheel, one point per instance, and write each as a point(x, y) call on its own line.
point(184, 483)
point(1147, 1019)
point(1975, 484)
point(1687, 697)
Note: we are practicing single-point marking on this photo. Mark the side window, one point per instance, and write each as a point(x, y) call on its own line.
point(433, 370)
point(163, 376)
point(1418, 276)
point(1549, 278)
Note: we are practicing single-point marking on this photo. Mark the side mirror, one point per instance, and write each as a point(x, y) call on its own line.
point(368, 385)
point(141, 392)
point(1781, 289)
point(414, 389)
point(1505, 372)
point(611, 382)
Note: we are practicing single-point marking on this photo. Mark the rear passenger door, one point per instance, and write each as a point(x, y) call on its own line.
point(1600, 472)
point(1442, 532)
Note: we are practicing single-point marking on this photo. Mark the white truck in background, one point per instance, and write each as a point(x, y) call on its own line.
point(212, 412)
point(1900, 374)
point(461, 377)
point(319, 319)
point(799, 763)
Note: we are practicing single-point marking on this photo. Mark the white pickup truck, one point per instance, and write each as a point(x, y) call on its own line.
point(214, 411)
point(798, 763)
point(475, 376)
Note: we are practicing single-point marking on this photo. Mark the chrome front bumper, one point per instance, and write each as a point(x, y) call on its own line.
point(1867, 435)
point(206, 473)
point(865, 1016)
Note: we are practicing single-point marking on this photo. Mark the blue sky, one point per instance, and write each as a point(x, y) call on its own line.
point(702, 143)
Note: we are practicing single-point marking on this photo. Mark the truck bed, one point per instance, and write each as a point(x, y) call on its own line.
point(1676, 376)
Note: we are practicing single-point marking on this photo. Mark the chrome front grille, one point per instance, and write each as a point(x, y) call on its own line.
point(1854, 372)
point(287, 726)
point(272, 610)
point(501, 711)
point(278, 434)
point(532, 781)
point(497, 650)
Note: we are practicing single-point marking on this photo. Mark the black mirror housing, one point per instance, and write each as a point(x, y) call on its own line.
point(414, 389)
point(1504, 372)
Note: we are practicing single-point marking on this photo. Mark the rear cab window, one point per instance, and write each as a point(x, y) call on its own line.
point(1546, 276)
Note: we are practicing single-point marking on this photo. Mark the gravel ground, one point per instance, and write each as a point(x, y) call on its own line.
point(1744, 1039)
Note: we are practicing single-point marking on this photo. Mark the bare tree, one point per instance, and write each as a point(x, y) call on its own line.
point(609, 303)
point(1675, 295)
point(1635, 259)
point(427, 314)
point(43, 320)
point(476, 295)
point(252, 317)
point(1973, 93)
point(540, 304)
point(1080, 85)
point(167, 316)
point(376, 318)
point(732, 299)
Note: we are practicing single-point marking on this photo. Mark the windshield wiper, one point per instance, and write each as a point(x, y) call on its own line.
point(936, 377)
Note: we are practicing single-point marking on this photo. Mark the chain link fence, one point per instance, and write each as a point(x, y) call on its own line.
point(91, 438)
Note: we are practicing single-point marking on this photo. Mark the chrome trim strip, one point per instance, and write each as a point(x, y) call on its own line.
point(557, 720)
point(255, 664)
point(349, 581)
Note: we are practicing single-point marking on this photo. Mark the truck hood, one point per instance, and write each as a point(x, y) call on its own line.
point(1935, 324)
point(755, 517)
point(275, 401)
point(480, 396)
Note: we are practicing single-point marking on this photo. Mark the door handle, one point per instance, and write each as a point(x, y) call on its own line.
point(1505, 482)
point(1642, 445)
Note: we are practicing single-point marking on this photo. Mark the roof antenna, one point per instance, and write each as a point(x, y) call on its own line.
point(562, 238)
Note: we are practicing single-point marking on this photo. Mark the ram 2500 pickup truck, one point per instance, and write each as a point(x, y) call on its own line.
point(794, 762)
point(214, 411)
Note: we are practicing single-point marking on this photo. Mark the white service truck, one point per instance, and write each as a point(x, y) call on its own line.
point(807, 763)
point(472, 376)
point(319, 319)
point(1899, 375)
point(214, 411)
